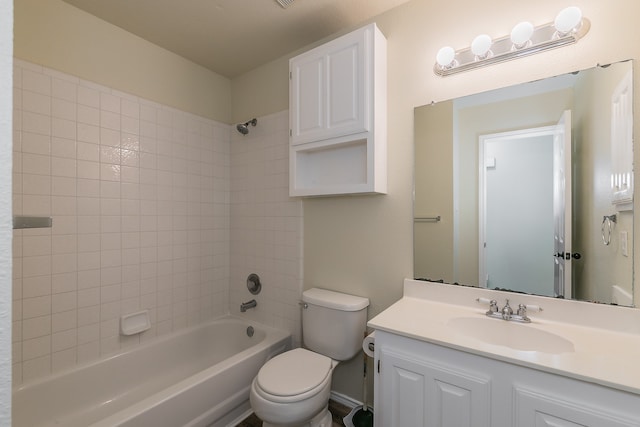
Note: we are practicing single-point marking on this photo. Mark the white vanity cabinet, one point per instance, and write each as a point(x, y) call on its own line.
point(337, 116)
point(418, 383)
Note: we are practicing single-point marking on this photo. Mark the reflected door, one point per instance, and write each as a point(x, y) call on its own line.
point(517, 210)
point(562, 207)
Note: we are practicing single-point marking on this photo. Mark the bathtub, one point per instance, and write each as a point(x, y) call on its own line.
point(199, 376)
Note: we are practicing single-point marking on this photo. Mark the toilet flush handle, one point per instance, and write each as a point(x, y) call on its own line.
point(303, 304)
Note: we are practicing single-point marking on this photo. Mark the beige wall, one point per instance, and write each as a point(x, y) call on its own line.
point(59, 36)
point(593, 199)
point(364, 244)
point(434, 192)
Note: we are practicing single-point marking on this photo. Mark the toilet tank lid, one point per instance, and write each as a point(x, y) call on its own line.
point(335, 300)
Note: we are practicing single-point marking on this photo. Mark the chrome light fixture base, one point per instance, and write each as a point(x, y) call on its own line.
point(543, 38)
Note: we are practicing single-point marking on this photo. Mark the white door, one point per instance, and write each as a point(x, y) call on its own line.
point(517, 210)
point(522, 224)
point(562, 206)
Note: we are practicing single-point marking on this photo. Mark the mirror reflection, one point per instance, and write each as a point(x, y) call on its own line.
point(530, 188)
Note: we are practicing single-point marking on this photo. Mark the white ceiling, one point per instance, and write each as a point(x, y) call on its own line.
point(231, 37)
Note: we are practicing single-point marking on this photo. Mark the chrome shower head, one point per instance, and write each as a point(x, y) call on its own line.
point(243, 128)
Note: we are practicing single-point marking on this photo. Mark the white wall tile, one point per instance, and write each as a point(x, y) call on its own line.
point(64, 89)
point(36, 81)
point(128, 226)
point(36, 102)
point(88, 115)
point(63, 128)
point(88, 96)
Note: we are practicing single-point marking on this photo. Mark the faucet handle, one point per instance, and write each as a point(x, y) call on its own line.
point(522, 310)
point(493, 304)
point(532, 307)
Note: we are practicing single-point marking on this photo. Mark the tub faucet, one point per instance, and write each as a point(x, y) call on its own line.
point(247, 305)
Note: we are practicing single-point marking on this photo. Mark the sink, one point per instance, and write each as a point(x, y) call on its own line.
point(517, 336)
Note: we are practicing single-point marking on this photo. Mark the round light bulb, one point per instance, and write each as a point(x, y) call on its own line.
point(521, 34)
point(568, 20)
point(480, 45)
point(445, 56)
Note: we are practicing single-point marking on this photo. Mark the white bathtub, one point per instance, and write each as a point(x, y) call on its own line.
point(196, 377)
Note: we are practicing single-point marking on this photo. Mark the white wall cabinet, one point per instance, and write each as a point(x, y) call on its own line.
point(337, 115)
point(422, 384)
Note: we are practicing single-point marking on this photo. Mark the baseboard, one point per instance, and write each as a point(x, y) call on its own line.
point(344, 400)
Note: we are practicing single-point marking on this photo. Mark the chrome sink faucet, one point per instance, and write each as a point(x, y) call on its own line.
point(506, 313)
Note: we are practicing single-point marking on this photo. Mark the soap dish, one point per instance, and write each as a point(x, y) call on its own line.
point(134, 323)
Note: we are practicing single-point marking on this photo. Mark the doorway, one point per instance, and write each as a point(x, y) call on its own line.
point(522, 209)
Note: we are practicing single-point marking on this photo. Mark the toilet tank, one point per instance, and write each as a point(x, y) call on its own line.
point(333, 323)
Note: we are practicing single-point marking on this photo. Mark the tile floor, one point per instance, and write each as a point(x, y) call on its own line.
point(338, 411)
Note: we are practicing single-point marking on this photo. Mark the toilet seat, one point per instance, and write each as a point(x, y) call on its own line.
point(293, 376)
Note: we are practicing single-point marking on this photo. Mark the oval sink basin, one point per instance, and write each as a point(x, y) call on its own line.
point(517, 336)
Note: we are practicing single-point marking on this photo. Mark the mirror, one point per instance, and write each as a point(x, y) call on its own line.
point(530, 188)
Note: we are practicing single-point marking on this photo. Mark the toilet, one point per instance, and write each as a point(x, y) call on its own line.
point(292, 389)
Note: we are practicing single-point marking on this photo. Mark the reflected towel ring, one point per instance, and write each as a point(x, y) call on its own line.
point(607, 226)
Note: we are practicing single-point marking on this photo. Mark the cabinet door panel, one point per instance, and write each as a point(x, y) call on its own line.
point(424, 393)
point(345, 85)
point(308, 119)
point(547, 420)
point(453, 404)
point(408, 397)
point(545, 409)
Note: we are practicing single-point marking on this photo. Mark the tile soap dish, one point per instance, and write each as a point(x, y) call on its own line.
point(135, 323)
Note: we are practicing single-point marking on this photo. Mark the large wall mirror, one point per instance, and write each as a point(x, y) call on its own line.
point(530, 188)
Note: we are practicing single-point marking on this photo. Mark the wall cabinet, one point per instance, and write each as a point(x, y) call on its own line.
point(422, 384)
point(337, 115)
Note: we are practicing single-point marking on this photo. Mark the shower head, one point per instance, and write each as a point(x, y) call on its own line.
point(243, 128)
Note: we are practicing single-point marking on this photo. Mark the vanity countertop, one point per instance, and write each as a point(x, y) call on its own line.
point(606, 339)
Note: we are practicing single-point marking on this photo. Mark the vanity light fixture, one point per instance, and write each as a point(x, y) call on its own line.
point(525, 39)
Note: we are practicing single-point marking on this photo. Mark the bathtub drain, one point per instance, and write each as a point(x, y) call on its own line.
point(250, 331)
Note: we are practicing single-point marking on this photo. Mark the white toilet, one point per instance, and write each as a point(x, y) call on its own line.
point(292, 389)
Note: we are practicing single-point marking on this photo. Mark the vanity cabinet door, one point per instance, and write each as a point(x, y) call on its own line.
point(535, 408)
point(418, 391)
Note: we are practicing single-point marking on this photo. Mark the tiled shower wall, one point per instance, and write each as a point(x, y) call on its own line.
point(266, 225)
point(140, 199)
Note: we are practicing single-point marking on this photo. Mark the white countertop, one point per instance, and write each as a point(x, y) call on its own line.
point(606, 339)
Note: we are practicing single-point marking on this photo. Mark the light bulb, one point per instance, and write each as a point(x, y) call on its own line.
point(446, 57)
point(568, 19)
point(521, 34)
point(481, 45)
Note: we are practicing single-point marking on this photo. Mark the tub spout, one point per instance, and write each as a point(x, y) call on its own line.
point(247, 305)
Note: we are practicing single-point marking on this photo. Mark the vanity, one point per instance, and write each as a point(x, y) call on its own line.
point(441, 361)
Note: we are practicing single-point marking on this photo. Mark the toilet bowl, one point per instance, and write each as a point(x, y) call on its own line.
point(293, 388)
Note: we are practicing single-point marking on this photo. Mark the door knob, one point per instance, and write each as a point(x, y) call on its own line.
point(568, 255)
